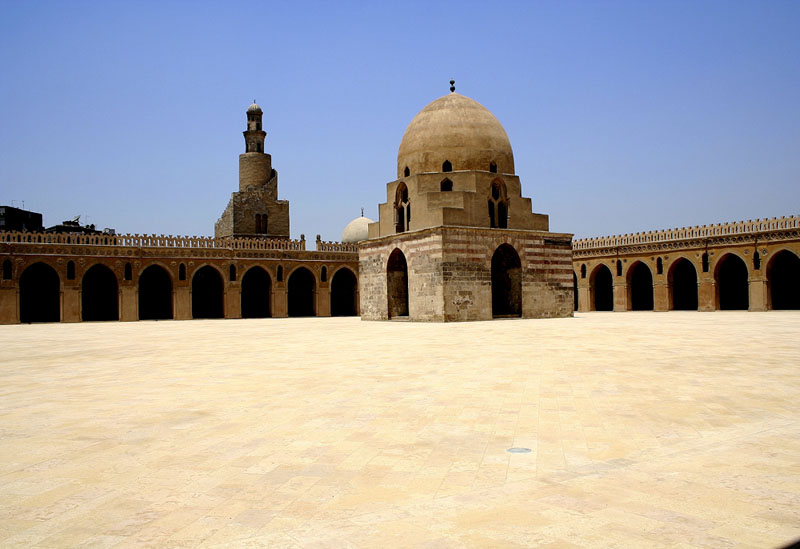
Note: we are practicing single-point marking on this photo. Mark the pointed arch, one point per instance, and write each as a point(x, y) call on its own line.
point(506, 282)
point(640, 287)
point(682, 282)
point(601, 289)
point(344, 293)
point(99, 294)
point(155, 293)
point(208, 293)
point(732, 283)
point(446, 185)
point(256, 293)
point(39, 294)
point(397, 284)
point(783, 280)
point(302, 292)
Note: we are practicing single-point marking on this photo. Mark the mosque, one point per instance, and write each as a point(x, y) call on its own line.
point(455, 240)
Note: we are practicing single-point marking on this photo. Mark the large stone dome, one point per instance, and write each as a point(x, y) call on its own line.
point(456, 129)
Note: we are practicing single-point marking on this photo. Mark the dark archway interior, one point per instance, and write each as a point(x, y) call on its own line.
point(155, 294)
point(397, 284)
point(684, 286)
point(39, 294)
point(301, 293)
point(343, 293)
point(640, 284)
point(506, 282)
point(574, 291)
point(256, 290)
point(732, 284)
point(784, 281)
point(99, 294)
point(207, 293)
point(603, 290)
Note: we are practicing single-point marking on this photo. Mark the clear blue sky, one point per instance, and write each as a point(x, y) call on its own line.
point(623, 116)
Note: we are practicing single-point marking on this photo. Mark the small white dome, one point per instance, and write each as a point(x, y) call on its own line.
point(357, 230)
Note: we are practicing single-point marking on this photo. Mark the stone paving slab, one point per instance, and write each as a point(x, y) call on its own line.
point(645, 429)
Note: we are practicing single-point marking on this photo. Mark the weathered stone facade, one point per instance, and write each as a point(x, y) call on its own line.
point(455, 239)
point(752, 265)
point(67, 259)
point(450, 273)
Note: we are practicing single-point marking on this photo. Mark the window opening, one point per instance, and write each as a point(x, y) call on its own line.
point(324, 274)
point(128, 272)
point(659, 266)
point(493, 167)
point(232, 273)
point(619, 267)
point(182, 272)
point(446, 185)
point(447, 166)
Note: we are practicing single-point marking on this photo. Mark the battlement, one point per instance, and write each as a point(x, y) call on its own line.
point(325, 246)
point(701, 231)
point(152, 241)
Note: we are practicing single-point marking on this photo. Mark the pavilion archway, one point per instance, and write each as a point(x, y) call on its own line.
point(506, 282)
point(397, 284)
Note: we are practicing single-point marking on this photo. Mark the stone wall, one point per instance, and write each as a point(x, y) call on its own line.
point(449, 273)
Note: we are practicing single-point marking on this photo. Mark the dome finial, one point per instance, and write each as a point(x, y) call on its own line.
point(452, 85)
point(362, 212)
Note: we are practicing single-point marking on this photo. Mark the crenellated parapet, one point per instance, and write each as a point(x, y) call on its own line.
point(776, 228)
point(325, 246)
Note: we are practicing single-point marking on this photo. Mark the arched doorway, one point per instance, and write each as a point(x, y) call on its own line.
point(397, 284)
point(574, 291)
point(506, 282)
point(256, 291)
point(99, 294)
point(39, 294)
point(302, 293)
point(640, 287)
point(783, 280)
point(207, 293)
point(683, 285)
point(732, 284)
point(155, 294)
point(602, 289)
point(343, 293)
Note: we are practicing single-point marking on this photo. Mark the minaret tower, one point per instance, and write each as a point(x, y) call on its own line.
point(255, 166)
point(255, 211)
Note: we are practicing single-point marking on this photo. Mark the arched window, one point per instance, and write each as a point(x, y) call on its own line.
point(7, 269)
point(182, 272)
point(406, 172)
point(756, 261)
point(232, 273)
point(583, 270)
point(493, 167)
point(447, 166)
point(128, 275)
point(659, 266)
point(280, 273)
point(705, 262)
point(446, 185)
point(498, 206)
point(258, 223)
point(619, 267)
point(71, 270)
point(402, 209)
point(323, 276)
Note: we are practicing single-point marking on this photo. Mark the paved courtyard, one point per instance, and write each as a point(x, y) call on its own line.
point(645, 429)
